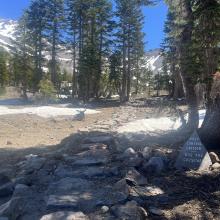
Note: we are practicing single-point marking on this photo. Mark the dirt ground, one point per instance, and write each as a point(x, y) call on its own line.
point(190, 195)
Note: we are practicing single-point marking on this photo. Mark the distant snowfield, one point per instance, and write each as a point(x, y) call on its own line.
point(45, 111)
point(155, 125)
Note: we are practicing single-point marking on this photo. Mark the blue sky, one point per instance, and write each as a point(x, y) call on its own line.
point(153, 28)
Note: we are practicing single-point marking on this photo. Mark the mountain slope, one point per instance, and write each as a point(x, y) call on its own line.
point(153, 59)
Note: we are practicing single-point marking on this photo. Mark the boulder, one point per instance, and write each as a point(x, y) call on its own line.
point(135, 177)
point(65, 216)
point(68, 184)
point(105, 139)
point(90, 157)
point(6, 186)
point(71, 193)
point(93, 146)
point(32, 164)
point(214, 157)
point(4, 179)
point(122, 187)
point(4, 218)
point(6, 189)
point(58, 202)
point(129, 211)
point(63, 171)
point(155, 211)
point(23, 201)
point(154, 166)
point(130, 152)
point(147, 152)
point(111, 195)
point(216, 166)
point(104, 209)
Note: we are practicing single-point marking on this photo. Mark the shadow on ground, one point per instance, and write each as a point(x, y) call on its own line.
point(187, 195)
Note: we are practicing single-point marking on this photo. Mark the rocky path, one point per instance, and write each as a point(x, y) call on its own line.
point(89, 176)
point(84, 185)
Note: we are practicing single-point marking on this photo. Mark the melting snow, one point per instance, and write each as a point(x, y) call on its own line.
point(45, 111)
point(152, 125)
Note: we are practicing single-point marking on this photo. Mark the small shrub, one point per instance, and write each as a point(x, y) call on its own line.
point(2, 91)
point(47, 90)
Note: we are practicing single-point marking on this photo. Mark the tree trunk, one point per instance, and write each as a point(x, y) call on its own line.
point(53, 60)
point(129, 71)
point(209, 132)
point(124, 74)
point(74, 78)
point(178, 86)
point(185, 61)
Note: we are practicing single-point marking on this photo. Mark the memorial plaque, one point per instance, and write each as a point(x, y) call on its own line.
point(194, 155)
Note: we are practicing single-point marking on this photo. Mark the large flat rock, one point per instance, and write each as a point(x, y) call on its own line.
point(68, 185)
point(90, 157)
point(106, 139)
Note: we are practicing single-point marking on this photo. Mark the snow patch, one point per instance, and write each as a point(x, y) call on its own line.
point(45, 111)
point(156, 125)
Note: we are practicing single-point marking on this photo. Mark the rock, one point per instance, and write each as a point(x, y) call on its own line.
point(69, 184)
point(57, 202)
point(4, 208)
point(21, 180)
point(63, 171)
point(130, 152)
point(6, 190)
point(135, 177)
point(83, 172)
point(129, 211)
point(4, 218)
point(90, 157)
point(104, 209)
point(131, 158)
point(21, 190)
point(71, 193)
point(216, 166)
point(6, 186)
point(122, 187)
point(109, 196)
point(100, 146)
point(32, 164)
point(4, 179)
point(154, 166)
point(154, 191)
point(90, 172)
point(9, 143)
point(108, 140)
point(20, 203)
point(155, 211)
point(147, 192)
point(65, 216)
point(214, 157)
point(147, 152)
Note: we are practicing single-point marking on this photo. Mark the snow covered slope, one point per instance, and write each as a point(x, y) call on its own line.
point(154, 60)
point(7, 41)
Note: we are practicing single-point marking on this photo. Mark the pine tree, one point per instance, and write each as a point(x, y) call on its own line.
point(130, 39)
point(90, 28)
point(23, 62)
point(169, 51)
point(207, 34)
point(36, 17)
point(54, 24)
point(3, 68)
point(73, 19)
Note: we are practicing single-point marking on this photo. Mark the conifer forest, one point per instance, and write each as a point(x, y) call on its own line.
point(110, 109)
